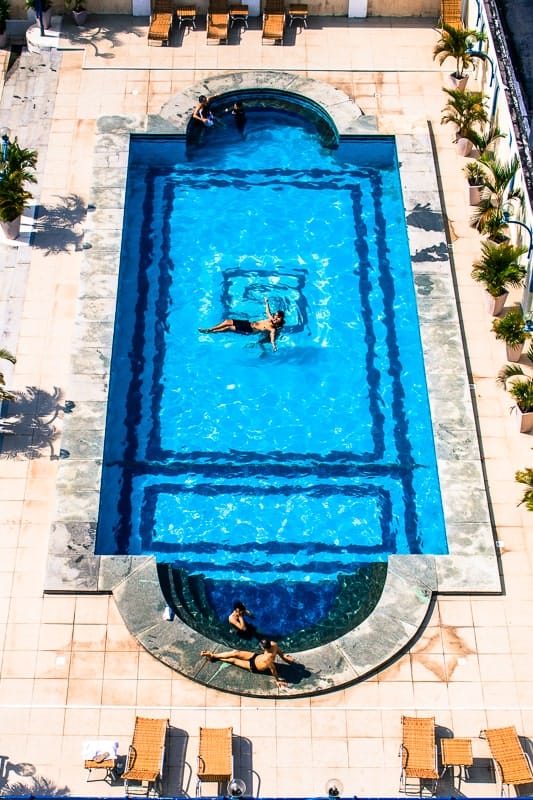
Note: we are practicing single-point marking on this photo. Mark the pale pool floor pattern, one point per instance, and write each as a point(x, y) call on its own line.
point(70, 669)
point(471, 563)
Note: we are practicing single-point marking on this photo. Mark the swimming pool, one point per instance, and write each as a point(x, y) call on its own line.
point(229, 460)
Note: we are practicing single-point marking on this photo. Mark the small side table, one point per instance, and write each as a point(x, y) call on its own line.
point(456, 753)
point(238, 13)
point(298, 12)
point(186, 15)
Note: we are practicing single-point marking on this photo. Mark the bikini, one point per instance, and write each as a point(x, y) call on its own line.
point(253, 668)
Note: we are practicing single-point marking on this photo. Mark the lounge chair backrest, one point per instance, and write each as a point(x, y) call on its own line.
point(450, 13)
point(418, 751)
point(215, 762)
point(147, 751)
point(507, 752)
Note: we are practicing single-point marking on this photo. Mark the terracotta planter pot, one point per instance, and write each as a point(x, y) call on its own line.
point(12, 229)
point(458, 83)
point(464, 147)
point(514, 353)
point(80, 17)
point(525, 421)
point(495, 305)
point(474, 195)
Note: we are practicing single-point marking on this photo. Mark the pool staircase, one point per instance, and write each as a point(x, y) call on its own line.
point(357, 595)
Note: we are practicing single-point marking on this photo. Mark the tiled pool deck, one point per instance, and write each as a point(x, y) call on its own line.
point(70, 669)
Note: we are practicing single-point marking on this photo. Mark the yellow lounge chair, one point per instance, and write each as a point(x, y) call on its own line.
point(450, 13)
point(215, 760)
point(418, 752)
point(160, 22)
point(146, 756)
point(217, 22)
point(510, 761)
point(273, 22)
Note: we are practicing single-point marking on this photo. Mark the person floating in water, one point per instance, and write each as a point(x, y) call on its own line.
point(237, 620)
point(272, 325)
point(254, 662)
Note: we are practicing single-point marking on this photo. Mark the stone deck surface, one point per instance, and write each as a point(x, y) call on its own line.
point(70, 669)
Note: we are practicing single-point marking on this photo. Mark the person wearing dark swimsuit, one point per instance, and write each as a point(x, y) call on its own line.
point(257, 663)
point(272, 325)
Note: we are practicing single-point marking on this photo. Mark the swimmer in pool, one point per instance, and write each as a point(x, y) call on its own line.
point(272, 325)
point(202, 111)
point(254, 662)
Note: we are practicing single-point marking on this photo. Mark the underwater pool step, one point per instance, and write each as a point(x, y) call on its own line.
point(356, 595)
point(185, 594)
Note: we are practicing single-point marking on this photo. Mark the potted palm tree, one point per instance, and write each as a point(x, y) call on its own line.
point(525, 476)
point(483, 141)
point(511, 330)
point(520, 386)
point(465, 110)
point(456, 43)
point(489, 216)
point(19, 170)
point(474, 176)
point(498, 268)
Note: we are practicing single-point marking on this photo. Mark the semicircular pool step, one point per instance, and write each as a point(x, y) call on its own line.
point(186, 595)
point(356, 596)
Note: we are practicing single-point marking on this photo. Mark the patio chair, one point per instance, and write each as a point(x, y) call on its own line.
point(217, 22)
point(450, 13)
point(160, 22)
point(146, 756)
point(511, 763)
point(215, 760)
point(273, 21)
point(418, 752)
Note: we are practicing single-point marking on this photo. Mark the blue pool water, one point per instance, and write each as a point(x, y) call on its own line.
point(250, 467)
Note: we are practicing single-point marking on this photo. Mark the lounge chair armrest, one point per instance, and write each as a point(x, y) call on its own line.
point(130, 760)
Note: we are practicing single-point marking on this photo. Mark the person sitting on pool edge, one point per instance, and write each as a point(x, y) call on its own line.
point(237, 620)
point(272, 325)
point(257, 663)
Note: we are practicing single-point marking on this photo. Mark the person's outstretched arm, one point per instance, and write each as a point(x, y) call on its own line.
point(281, 654)
point(267, 309)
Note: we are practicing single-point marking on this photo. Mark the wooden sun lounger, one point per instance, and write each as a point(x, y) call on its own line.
point(273, 27)
point(450, 13)
point(217, 23)
point(215, 760)
point(510, 761)
point(146, 755)
point(419, 755)
point(160, 23)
